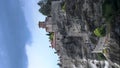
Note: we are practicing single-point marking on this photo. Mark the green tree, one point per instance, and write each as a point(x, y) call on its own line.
point(45, 10)
point(41, 3)
point(51, 35)
point(45, 7)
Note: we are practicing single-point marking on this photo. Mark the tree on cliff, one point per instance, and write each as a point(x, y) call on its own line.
point(45, 7)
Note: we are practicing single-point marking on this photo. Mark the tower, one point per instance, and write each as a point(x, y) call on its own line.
point(42, 24)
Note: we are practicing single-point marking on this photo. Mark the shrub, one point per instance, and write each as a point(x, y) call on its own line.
point(100, 56)
point(64, 7)
point(51, 36)
point(106, 51)
point(100, 31)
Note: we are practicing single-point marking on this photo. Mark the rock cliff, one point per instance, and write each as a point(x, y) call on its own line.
point(76, 24)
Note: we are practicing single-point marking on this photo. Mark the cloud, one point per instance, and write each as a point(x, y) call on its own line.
point(14, 35)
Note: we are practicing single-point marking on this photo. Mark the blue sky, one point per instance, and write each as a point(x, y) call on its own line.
point(22, 43)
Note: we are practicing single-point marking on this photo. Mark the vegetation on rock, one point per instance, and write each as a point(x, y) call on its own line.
point(44, 7)
point(110, 8)
point(100, 31)
point(100, 56)
point(51, 35)
point(64, 7)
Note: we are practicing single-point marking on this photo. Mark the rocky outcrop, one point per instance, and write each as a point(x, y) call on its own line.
point(76, 26)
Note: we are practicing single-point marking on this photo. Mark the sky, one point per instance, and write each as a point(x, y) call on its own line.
point(22, 43)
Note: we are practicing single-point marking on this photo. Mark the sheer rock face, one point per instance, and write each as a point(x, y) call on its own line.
point(115, 40)
point(89, 11)
point(75, 26)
